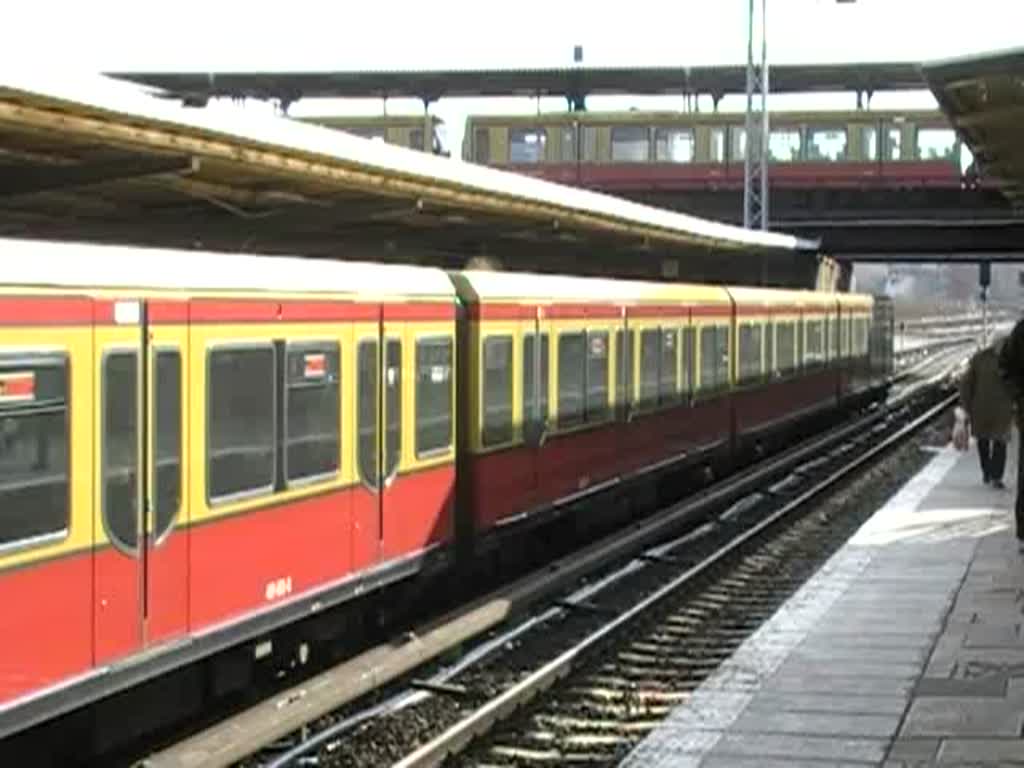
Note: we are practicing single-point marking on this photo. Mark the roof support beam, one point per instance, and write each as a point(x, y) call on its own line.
point(17, 181)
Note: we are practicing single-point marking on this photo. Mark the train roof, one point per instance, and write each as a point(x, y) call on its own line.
point(482, 285)
point(340, 121)
point(768, 297)
point(96, 158)
point(636, 115)
point(47, 264)
point(485, 285)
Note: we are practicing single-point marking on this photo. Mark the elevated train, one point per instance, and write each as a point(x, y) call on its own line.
point(641, 150)
point(197, 450)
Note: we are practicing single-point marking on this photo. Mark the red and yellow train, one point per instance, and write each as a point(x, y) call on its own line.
point(641, 150)
point(198, 449)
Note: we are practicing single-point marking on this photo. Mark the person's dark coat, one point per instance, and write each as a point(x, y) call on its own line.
point(986, 397)
point(1011, 362)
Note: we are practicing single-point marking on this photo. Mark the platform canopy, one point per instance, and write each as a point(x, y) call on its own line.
point(96, 159)
point(574, 83)
point(983, 96)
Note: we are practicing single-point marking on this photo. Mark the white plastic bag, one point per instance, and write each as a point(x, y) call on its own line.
point(961, 434)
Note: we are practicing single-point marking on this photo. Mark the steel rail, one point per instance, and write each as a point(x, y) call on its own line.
point(497, 709)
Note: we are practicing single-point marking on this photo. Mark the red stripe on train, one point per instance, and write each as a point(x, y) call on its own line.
point(45, 310)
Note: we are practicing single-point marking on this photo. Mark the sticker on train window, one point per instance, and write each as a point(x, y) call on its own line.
point(597, 346)
point(315, 365)
point(439, 374)
point(17, 387)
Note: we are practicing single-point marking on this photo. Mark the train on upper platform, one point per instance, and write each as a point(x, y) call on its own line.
point(639, 151)
point(705, 150)
point(199, 449)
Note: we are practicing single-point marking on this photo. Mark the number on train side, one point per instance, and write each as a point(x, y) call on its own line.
point(279, 588)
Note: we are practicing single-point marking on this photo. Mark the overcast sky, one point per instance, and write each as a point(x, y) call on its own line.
point(217, 35)
point(297, 34)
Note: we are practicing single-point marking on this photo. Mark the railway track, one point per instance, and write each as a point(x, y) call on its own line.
point(594, 702)
point(422, 721)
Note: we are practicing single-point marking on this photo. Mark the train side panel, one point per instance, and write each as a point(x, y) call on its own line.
point(46, 466)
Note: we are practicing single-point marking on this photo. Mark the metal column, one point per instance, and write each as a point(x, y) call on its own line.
point(755, 155)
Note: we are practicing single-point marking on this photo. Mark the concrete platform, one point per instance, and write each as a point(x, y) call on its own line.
point(905, 649)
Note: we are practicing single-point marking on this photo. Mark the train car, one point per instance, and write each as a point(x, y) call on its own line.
point(423, 132)
point(609, 389)
point(629, 380)
point(197, 448)
point(200, 452)
point(860, 379)
point(645, 151)
point(787, 361)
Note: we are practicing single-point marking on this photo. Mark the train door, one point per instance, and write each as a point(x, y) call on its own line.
point(397, 492)
point(366, 501)
point(141, 566)
point(536, 382)
point(377, 508)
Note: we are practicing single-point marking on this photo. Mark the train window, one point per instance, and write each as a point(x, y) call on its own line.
point(497, 379)
point(623, 369)
point(830, 338)
point(167, 438)
point(668, 385)
point(572, 358)
point(936, 144)
point(650, 364)
point(723, 356)
point(312, 436)
point(814, 344)
point(686, 384)
point(416, 139)
point(240, 421)
point(535, 410)
point(894, 143)
point(367, 399)
point(597, 376)
point(589, 143)
point(714, 357)
point(674, 145)
point(717, 145)
point(433, 395)
point(738, 143)
point(568, 151)
point(784, 145)
point(631, 144)
point(785, 347)
point(750, 351)
point(121, 448)
point(34, 447)
point(869, 142)
point(482, 146)
point(769, 348)
point(392, 405)
point(826, 144)
point(526, 145)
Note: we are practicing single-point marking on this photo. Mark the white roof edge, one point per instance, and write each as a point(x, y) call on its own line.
point(130, 101)
point(43, 263)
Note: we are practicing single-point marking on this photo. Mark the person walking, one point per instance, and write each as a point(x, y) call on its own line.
point(989, 406)
point(1011, 368)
